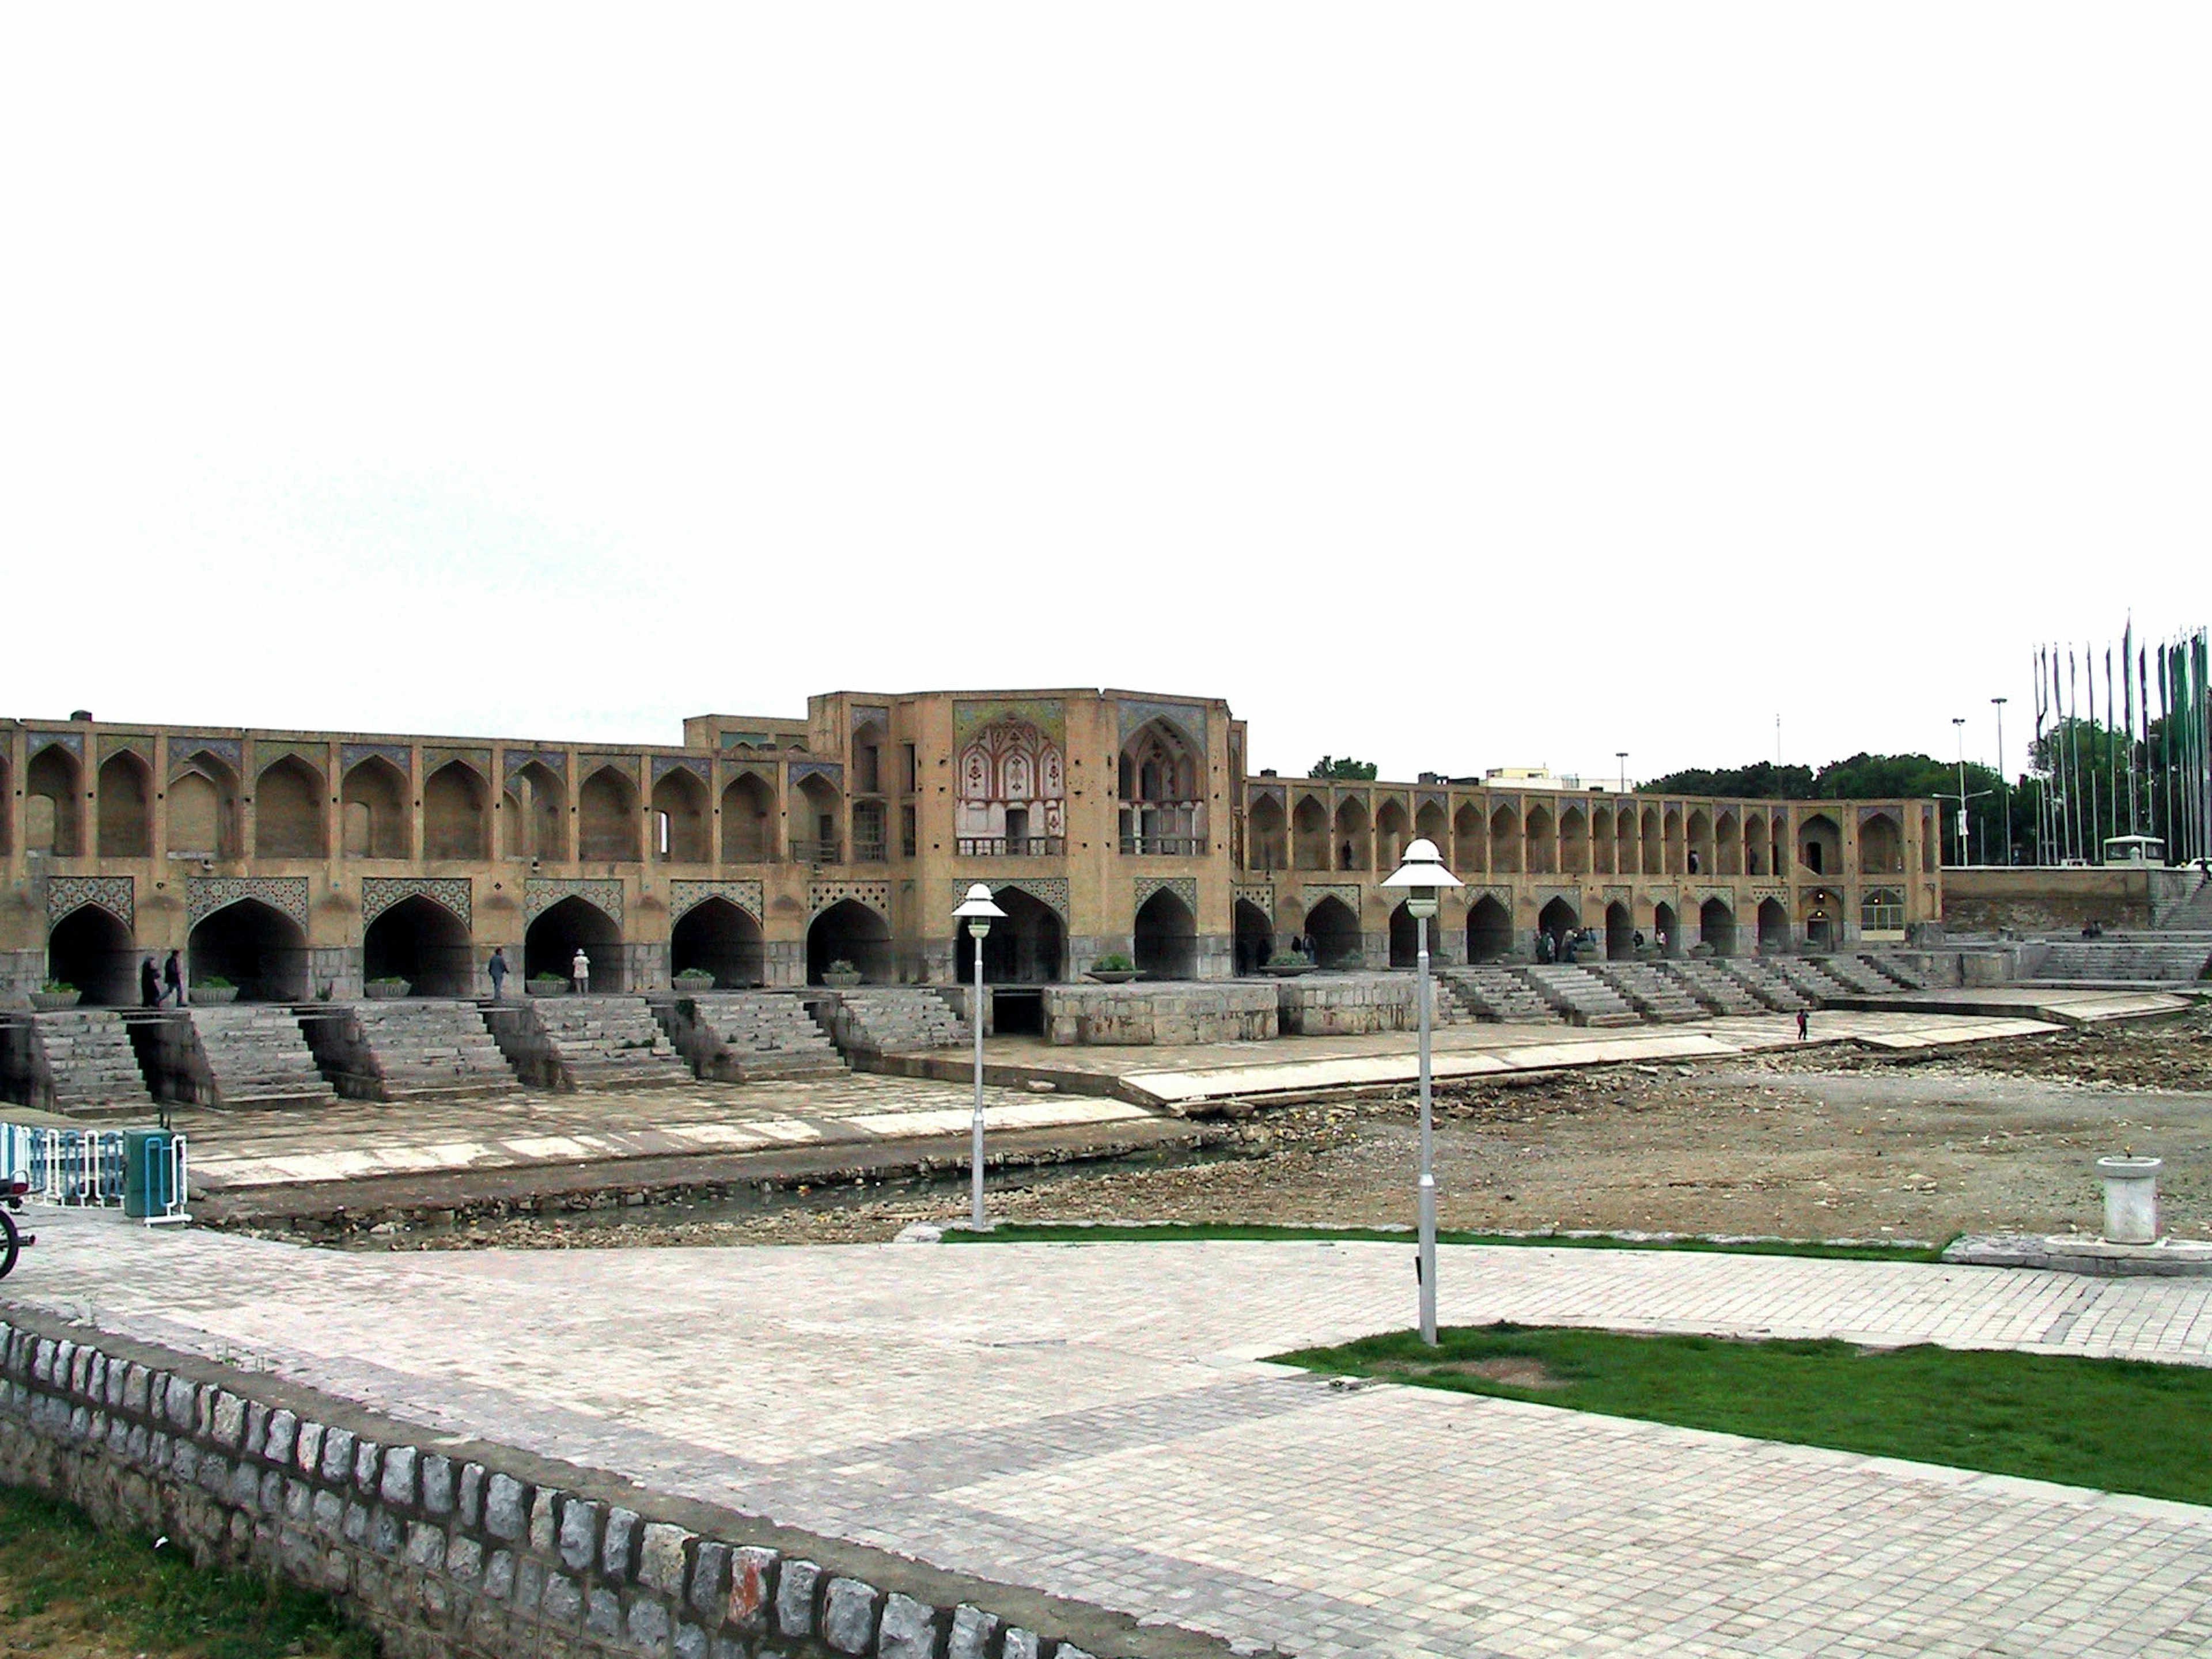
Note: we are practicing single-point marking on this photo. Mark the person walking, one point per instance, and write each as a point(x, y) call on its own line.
point(172, 979)
point(1804, 1023)
point(580, 970)
point(498, 968)
point(149, 984)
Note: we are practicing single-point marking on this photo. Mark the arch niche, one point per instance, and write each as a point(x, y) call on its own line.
point(257, 947)
point(1505, 841)
point(537, 811)
point(1727, 844)
point(288, 811)
point(1470, 844)
point(1165, 939)
point(203, 810)
point(374, 811)
point(53, 816)
point(1334, 931)
point(1881, 845)
point(1393, 830)
point(1773, 927)
point(1574, 842)
point(1822, 912)
point(91, 949)
point(1267, 837)
point(1665, 929)
point(1162, 807)
point(719, 937)
point(606, 818)
point(814, 837)
point(1820, 845)
point(1309, 831)
point(453, 813)
point(421, 941)
point(747, 821)
point(1255, 937)
point(1619, 932)
point(1716, 927)
point(1406, 938)
point(126, 807)
point(1624, 861)
point(679, 812)
point(849, 930)
point(1355, 848)
point(550, 944)
point(1489, 930)
point(1028, 947)
point(1558, 918)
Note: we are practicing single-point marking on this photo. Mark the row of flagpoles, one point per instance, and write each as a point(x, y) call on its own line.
point(2130, 773)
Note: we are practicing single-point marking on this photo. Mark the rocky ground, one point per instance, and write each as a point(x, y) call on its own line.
point(1829, 1143)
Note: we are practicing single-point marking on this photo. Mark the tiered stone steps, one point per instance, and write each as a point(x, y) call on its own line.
point(1764, 979)
point(1805, 976)
point(2144, 961)
point(2192, 914)
point(1579, 994)
point(1497, 994)
point(84, 1065)
point(737, 1036)
point(605, 1043)
point(1891, 969)
point(1649, 991)
point(890, 1020)
point(255, 1055)
point(416, 1050)
point(1859, 975)
point(1716, 989)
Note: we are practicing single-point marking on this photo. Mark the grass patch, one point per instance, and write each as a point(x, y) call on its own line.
point(2118, 1424)
point(1178, 1232)
point(63, 1581)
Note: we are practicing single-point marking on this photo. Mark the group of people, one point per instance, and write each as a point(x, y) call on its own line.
point(166, 984)
point(580, 972)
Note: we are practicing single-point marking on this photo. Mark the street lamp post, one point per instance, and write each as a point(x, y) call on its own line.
point(1423, 876)
point(2005, 807)
point(1621, 755)
point(1958, 725)
point(978, 911)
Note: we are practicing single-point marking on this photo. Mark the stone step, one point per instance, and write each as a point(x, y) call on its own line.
point(2140, 960)
point(607, 1043)
point(1713, 988)
point(1579, 994)
point(748, 1036)
point(1497, 994)
point(1857, 975)
point(889, 1020)
point(1804, 976)
point(1892, 970)
point(256, 1056)
point(83, 1063)
point(1766, 983)
point(1650, 993)
point(408, 1049)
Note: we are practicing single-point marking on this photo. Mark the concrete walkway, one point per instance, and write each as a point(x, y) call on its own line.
point(1090, 1420)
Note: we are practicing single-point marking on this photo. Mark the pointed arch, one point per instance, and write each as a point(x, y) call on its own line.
point(1333, 928)
point(255, 946)
point(680, 814)
point(1266, 835)
point(1162, 797)
point(1542, 836)
point(1310, 833)
point(606, 816)
point(1505, 840)
point(551, 941)
point(126, 806)
point(53, 814)
point(373, 807)
point(1881, 844)
point(1728, 843)
point(204, 799)
point(1698, 843)
point(1354, 843)
point(1394, 830)
point(1255, 934)
point(748, 820)
point(849, 930)
point(1470, 840)
point(1489, 930)
point(1820, 845)
point(1627, 843)
point(1773, 927)
point(1619, 932)
point(91, 949)
point(1574, 841)
point(1028, 948)
point(288, 811)
point(716, 936)
point(817, 813)
point(538, 825)
point(453, 799)
point(1716, 927)
point(421, 941)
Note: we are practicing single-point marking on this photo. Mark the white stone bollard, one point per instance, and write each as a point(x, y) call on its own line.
point(2130, 1198)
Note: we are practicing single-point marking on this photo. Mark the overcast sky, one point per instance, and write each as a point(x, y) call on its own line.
point(1451, 385)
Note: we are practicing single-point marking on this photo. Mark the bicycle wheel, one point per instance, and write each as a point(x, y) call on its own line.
point(11, 1243)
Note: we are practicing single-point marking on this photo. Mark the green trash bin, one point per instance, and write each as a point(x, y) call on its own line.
point(150, 1173)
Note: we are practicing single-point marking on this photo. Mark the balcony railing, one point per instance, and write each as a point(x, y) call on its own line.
point(813, 852)
point(1010, 847)
point(870, 852)
point(1163, 847)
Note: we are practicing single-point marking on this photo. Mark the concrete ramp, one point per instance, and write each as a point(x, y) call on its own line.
point(741, 1037)
point(408, 1050)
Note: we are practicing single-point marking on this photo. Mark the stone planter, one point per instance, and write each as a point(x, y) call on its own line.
point(1112, 975)
point(212, 996)
point(386, 990)
point(49, 1002)
point(548, 987)
point(692, 984)
point(2130, 1198)
point(1287, 969)
point(840, 981)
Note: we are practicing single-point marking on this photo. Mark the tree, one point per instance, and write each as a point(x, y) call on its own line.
point(1763, 781)
point(1356, 771)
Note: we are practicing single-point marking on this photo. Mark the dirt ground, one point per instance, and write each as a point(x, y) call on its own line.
point(1830, 1143)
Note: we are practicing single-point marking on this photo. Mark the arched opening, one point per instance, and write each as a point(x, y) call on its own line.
point(1881, 846)
point(1820, 845)
point(91, 949)
point(868, 760)
point(550, 945)
point(1574, 842)
point(1754, 845)
point(53, 818)
point(1625, 844)
point(1505, 841)
point(1558, 918)
point(1716, 927)
point(747, 821)
point(1779, 847)
point(1619, 932)
point(815, 836)
point(1822, 912)
point(1489, 930)
point(717, 937)
point(1406, 938)
point(1882, 913)
point(1654, 852)
point(1928, 840)
point(1470, 841)
point(1666, 930)
point(453, 813)
point(1309, 831)
point(849, 930)
point(606, 818)
point(679, 805)
point(1431, 825)
point(423, 942)
point(1698, 844)
point(6, 805)
point(1670, 833)
point(126, 808)
point(1028, 947)
point(537, 808)
point(1163, 805)
point(1255, 937)
point(1393, 830)
point(1773, 927)
point(1543, 841)
point(1267, 842)
point(204, 811)
point(288, 811)
point(373, 808)
point(1355, 848)
point(1334, 930)
point(1601, 840)
point(1727, 844)
point(1166, 939)
point(255, 947)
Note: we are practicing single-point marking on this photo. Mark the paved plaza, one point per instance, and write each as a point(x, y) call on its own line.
point(1094, 1421)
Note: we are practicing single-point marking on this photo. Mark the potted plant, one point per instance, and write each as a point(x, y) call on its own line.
point(55, 994)
point(386, 987)
point(1287, 964)
point(692, 981)
point(841, 974)
point(1112, 968)
point(547, 984)
point(214, 991)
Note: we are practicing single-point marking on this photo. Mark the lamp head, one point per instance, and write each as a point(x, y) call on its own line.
point(1422, 876)
point(978, 910)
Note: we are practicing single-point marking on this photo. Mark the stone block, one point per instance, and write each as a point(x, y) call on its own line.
point(387, 1533)
point(464, 1559)
point(469, 1495)
point(753, 1588)
point(499, 1576)
point(545, 1522)
point(529, 1587)
point(308, 1448)
point(707, 1589)
point(367, 1467)
point(337, 1456)
point(181, 1402)
point(506, 1508)
point(1022, 1644)
point(849, 1608)
point(648, 1627)
point(973, 1633)
point(603, 1619)
point(618, 1552)
point(279, 1436)
point(398, 1486)
point(661, 1560)
point(691, 1642)
point(436, 1475)
point(561, 1603)
point(579, 1534)
point(426, 1546)
point(795, 1598)
point(909, 1628)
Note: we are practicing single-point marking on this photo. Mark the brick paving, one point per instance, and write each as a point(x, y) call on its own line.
point(1090, 1420)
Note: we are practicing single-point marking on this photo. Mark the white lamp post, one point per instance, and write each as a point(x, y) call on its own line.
point(978, 911)
point(1423, 876)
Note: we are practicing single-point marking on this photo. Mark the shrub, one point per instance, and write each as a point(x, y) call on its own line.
point(60, 987)
point(1112, 963)
point(213, 982)
point(1287, 959)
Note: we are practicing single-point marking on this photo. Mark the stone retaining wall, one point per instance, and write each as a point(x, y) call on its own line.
point(1178, 1011)
point(1343, 1005)
point(495, 1555)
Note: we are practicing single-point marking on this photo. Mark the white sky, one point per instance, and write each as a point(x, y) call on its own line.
point(1451, 385)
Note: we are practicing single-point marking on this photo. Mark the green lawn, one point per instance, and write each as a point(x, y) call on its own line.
point(1177, 1232)
point(2119, 1425)
point(58, 1572)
